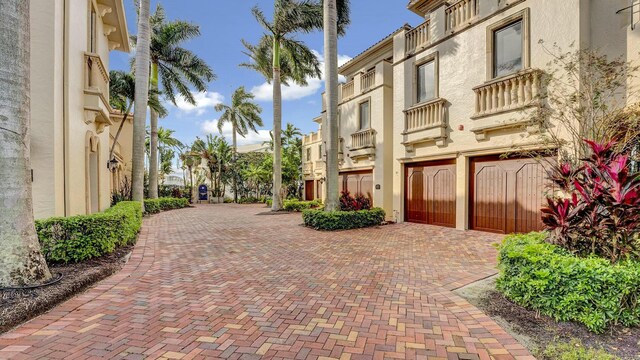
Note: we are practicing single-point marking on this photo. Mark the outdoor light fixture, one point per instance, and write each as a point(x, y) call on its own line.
point(112, 164)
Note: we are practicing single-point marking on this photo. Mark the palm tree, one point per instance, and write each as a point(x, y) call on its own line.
point(122, 92)
point(189, 161)
point(336, 18)
point(243, 115)
point(177, 69)
point(256, 175)
point(290, 133)
point(141, 100)
point(281, 58)
point(21, 262)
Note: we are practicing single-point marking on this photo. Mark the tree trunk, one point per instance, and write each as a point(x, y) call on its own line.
point(331, 85)
point(153, 142)
point(141, 100)
point(277, 128)
point(235, 169)
point(21, 262)
point(115, 139)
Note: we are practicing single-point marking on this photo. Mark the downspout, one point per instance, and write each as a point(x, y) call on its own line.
point(65, 107)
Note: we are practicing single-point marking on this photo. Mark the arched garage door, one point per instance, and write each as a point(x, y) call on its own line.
point(357, 183)
point(430, 193)
point(506, 194)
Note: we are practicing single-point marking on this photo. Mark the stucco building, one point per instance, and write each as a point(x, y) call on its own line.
point(73, 125)
point(451, 95)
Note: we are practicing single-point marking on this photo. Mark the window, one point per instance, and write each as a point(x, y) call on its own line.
point(426, 81)
point(365, 121)
point(93, 19)
point(320, 151)
point(308, 154)
point(508, 49)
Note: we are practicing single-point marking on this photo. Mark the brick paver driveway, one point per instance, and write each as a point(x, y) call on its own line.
point(224, 281)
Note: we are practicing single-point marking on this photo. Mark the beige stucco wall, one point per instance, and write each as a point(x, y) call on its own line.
point(60, 33)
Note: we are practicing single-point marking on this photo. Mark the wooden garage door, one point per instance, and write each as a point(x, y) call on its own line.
point(430, 193)
point(357, 183)
point(506, 194)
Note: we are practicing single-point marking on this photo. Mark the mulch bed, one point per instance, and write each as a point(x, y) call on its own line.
point(18, 306)
point(536, 331)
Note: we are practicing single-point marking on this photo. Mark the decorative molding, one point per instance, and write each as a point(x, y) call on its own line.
point(108, 29)
point(104, 10)
point(114, 45)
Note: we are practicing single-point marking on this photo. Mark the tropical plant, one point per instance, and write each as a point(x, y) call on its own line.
point(21, 261)
point(336, 19)
point(350, 203)
point(189, 161)
point(597, 210)
point(282, 59)
point(141, 100)
point(243, 115)
point(218, 154)
point(256, 175)
point(122, 92)
point(175, 69)
point(582, 99)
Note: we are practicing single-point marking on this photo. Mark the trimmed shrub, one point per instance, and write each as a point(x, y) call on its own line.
point(342, 220)
point(82, 237)
point(551, 280)
point(269, 202)
point(154, 206)
point(297, 205)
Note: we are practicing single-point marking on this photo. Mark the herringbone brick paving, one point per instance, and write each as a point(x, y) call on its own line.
point(225, 281)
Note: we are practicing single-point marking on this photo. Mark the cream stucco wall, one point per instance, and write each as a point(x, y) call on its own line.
point(61, 127)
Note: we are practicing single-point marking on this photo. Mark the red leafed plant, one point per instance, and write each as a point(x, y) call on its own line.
point(598, 211)
point(350, 203)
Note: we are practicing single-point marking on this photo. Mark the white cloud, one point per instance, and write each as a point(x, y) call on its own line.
point(204, 101)
point(264, 91)
point(211, 127)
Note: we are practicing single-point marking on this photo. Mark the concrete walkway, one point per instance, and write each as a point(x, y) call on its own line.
point(227, 281)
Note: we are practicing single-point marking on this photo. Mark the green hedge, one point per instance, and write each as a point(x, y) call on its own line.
point(297, 205)
point(547, 278)
point(154, 206)
point(82, 237)
point(342, 220)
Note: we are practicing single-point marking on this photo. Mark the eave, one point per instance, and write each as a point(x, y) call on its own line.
point(115, 24)
point(423, 7)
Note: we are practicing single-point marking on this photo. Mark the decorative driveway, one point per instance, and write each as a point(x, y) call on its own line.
point(225, 281)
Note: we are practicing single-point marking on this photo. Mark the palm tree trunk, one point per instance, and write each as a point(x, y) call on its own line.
point(153, 151)
point(141, 100)
point(331, 71)
point(115, 139)
point(21, 262)
point(235, 169)
point(277, 128)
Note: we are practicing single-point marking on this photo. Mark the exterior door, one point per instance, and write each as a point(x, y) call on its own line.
point(506, 194)
point(357, 183)
point(308, 190)
point(430, 193)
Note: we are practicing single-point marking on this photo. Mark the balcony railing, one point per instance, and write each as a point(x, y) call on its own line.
point(424, 116)
point(368, 80)
point(96, 75)
point(460, 13)
point(348, 90)
point(513, 92)
point(307, 167)
point(418, 37)
point(363, 139)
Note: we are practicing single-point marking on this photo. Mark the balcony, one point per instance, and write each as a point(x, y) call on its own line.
point(425, 122)
point(307, 168)
point(348, 90)
point(96, 92)
point(363, 144)
point(460, 14)
point(368, 80)
point(310, 138)
point(319, 167)
point(514, 92)
point(509, 93)
point(418, 37)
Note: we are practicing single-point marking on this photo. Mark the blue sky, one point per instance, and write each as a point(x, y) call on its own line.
point(223, 23)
